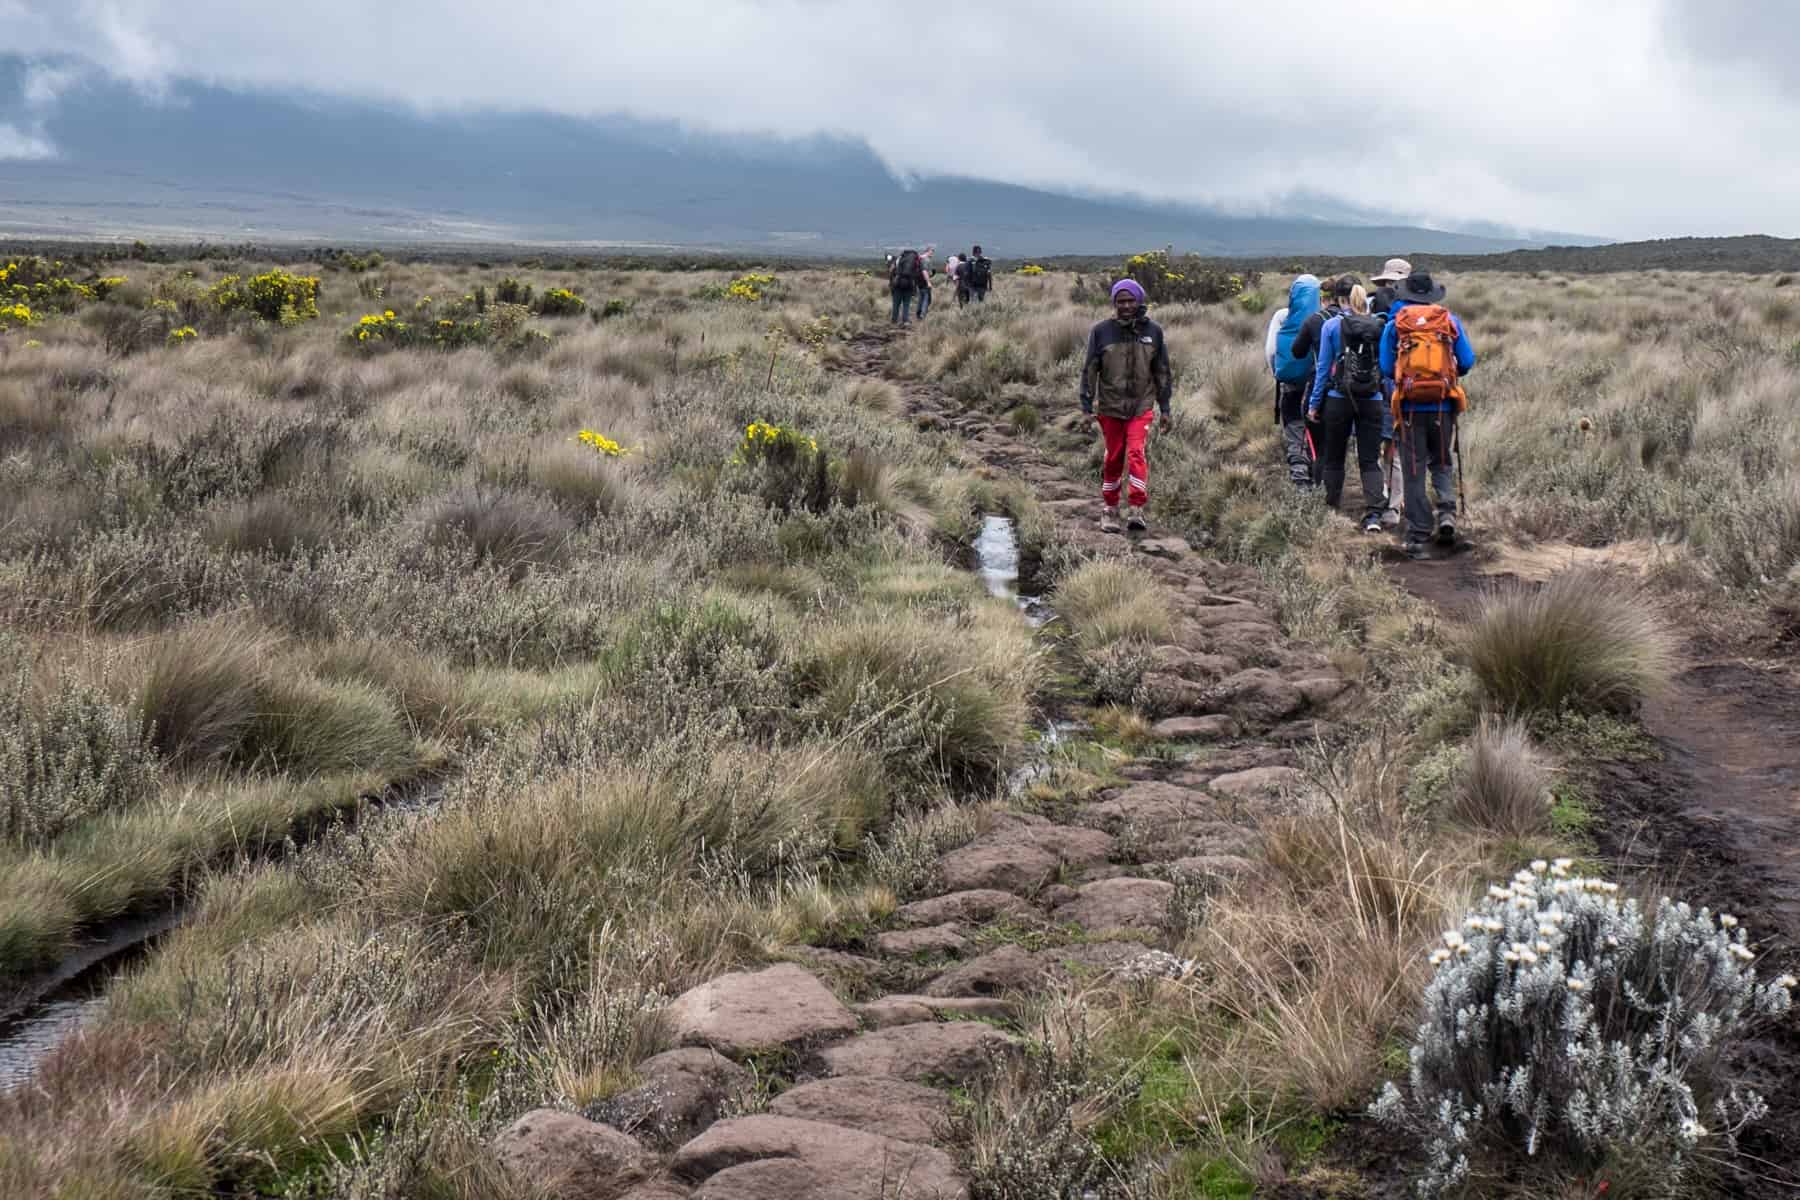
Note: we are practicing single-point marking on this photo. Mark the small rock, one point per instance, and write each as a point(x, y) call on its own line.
point(767, 1157)
point(1322, 690)
point(746, 1011)
point(1088, 959)
point(1012, 867)
point(1300, 733)
point(682, 1093)
point(890, 1011)
point(880, 1104)
point(571, 1156)
point(1124, 903)
point(933, 940)
point(977, 907)
point(1208, 728)
point(1192, 665)
point(1164, 693)
point(953, 1052)
point(1258, 781)
point(1165, 547)
point(1006, 969)
point(1057, 893)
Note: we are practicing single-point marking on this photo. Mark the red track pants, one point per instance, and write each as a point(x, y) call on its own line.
point(1125, 459)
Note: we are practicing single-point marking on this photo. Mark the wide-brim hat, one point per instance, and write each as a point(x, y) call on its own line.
point(1418, 288)
point(1392, 271)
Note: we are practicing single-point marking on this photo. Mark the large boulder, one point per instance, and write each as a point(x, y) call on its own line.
point(747, 1011)
point(954, 1052)
point(980, 906)
point(570, 1156)
point(1123, 903)
point(880, 1104)
point(768, 1157)
point(1258, 696)
point(683, 1092)
point(1007, 968)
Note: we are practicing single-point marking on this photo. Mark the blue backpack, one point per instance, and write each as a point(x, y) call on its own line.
point(1303, 302)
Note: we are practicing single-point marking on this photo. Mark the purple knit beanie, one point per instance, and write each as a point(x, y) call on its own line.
point(1129, 286)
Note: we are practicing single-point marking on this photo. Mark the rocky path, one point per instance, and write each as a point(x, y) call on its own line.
point(1035, 901)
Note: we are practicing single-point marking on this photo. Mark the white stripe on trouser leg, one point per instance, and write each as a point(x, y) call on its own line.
point(1138, 483)
point(1111, 487)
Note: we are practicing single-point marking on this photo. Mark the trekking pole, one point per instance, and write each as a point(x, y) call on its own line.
point(1462, 504)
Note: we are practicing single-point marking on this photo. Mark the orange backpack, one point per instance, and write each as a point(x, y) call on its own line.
point(1425, 358)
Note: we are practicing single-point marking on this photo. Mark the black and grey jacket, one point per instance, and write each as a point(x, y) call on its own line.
point(1127, 369)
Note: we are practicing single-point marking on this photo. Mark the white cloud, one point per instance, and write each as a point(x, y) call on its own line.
point(17, 143)
point(1611, 117)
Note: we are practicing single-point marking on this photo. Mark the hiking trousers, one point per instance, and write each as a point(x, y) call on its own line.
point(1126, 465)
point(924, 304)
point(1424, 441)
point(902, 308)
point(1345, 416)
point(1300, 438)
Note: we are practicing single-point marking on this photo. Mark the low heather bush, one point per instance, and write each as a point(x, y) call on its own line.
point(1563, 1020)
point(1580, 641)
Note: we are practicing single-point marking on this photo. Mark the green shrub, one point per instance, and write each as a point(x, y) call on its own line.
point(512, 291)
point(67, 752)
point(615, 307)
point(273, 296)
point(1189, 280)
point(560, 302)
point(1582, 641)
point(1108, 601)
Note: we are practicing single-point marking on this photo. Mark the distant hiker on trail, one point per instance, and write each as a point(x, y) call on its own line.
point(977, 276)
point(1392, 272)
point(1346, 398)
point(924, 288)
point(1126, 378)
point(1425, 352)
point(1293, 378)
point(903, 280)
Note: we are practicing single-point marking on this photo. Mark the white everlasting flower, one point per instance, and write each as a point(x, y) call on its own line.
point(1543, 947)
point(1727, 921)
point(1546, 928)
point(1439, 956)
point(1496, 892)
point(1528, 957)
point(1452, 939)
point(1693, 1129)
point(1560, 887)
point(1742, 953)
point(1787, 981)
point(1472, 922)
point(1511, 956)
point(1464, 950)
point(1539, 866)
point(1562, 864)
point(1612, 941)
point(1576, 985)
point(1491, 926)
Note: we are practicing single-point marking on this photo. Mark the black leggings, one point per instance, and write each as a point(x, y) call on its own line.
point(1342, 417)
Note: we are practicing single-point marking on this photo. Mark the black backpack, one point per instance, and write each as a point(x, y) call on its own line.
point(1359, 362)
point(906, 271)
point(981, 273)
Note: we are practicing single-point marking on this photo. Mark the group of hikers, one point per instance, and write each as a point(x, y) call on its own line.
point(909, 281)
point(1382, 368)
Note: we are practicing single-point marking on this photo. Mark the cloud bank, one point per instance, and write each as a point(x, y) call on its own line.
point(1630, 118)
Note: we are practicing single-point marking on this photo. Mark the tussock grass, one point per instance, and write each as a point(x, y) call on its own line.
point(1108, 601)
point(505, 529)
point(202, 690)
point(268, 523)
point(1582, 640)
point(579, 479)
point(1504, 788)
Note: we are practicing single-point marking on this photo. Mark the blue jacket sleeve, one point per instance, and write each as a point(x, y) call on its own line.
point(1390, 347)
point(1329, 337)
point(1465, 351)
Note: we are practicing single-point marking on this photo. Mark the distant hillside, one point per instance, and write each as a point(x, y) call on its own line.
point(1753, 254)
point(240, 166)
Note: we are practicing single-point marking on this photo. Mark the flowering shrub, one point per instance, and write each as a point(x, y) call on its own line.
point(561, 302)
point(602, 444)
point(386, 329)
point(272, 296)
point(748, 287)
point(12, 315)
point(1563, 1017)
point(1030, 269)
point(1253, 302)
point(1190, 281)
point(182, 336)
point(788, 465)
point(43, 284)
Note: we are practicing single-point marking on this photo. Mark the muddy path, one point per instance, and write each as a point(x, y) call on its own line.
point(1715, 818)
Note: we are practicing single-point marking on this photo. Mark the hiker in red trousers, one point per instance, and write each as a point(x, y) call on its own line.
point(1124, 380)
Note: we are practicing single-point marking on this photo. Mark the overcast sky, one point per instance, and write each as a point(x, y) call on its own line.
point(1628, 118)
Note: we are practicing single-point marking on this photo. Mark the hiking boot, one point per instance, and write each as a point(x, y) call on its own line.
point(1109, 520)
point(1416, 550)
point(1135, 522)
point(1372, 523)
point(1390, 518)
point(1446, 531)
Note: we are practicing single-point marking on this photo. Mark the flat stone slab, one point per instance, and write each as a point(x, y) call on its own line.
point(1015, 866)
point(1153, 805)
point(910, 1112)
point(683, 1092)
point(1209, 728)
point(746, 1011)
point(1006, 968)
point(979, 906)
point(954, 1052)
point(890, 1011)
point(1257, 696)
point(572, 1157)
point(931, 941)
point(1123, 903)
point(1258, 781)
point(768, 1157)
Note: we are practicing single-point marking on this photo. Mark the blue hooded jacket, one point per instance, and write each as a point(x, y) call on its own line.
point(1303, 301)
point(1390, 349)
